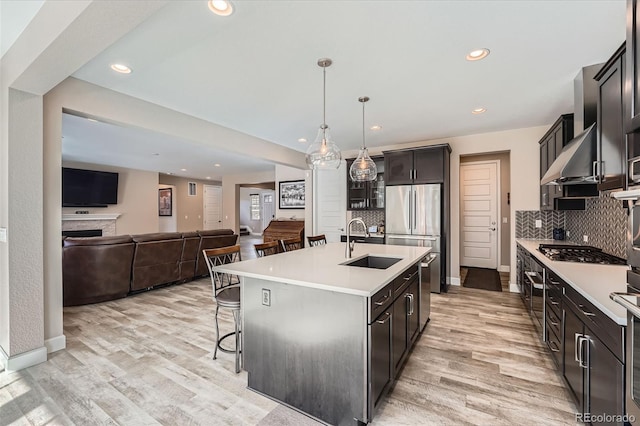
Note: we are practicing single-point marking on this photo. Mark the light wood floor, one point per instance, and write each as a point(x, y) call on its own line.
point(146, 360)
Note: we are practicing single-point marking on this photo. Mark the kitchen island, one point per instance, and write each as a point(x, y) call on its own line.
point(326, 338)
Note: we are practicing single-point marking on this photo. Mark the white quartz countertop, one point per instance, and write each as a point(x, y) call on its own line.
point(593, 281)
point(322, 267)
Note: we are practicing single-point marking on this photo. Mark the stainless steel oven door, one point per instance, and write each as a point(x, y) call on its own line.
point(634, 171)
point(632, 385)
point(633, 237)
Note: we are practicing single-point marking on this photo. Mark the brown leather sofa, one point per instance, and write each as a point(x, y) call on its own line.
point(214, 238)
point(156, 260)
point(96, 269)
point(191, 242)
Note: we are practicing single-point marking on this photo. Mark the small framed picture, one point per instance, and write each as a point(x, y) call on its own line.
point(292, 194)
point(165, 202)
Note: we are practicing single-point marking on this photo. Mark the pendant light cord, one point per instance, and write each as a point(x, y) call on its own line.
point(363, 145)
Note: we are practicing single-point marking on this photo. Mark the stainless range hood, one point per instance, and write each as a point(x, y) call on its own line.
point(576, 162)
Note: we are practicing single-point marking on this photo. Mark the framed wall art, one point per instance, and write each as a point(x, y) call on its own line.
point(291, 194)
point(165, 201)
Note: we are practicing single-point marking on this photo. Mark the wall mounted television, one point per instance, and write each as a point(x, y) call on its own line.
point(88, 188)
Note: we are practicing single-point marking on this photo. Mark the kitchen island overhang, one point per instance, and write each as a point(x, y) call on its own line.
point(307, 322)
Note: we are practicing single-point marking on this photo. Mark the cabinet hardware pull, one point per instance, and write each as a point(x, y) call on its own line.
point(410, 297)
point(384, 320)
point(554, 344)
point(583, 363)
point(553, 323)
point(575, 348)
point(382, 301)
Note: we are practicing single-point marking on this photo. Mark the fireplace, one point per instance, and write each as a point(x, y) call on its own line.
point(83, 233)
point(106, 223)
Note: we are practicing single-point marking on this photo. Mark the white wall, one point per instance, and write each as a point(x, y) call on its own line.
point(284, 173)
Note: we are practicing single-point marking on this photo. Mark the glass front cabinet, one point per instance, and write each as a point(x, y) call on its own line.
point(366, 195)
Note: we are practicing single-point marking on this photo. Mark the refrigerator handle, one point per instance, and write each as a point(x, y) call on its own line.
point(415, 210)
point(410, 209)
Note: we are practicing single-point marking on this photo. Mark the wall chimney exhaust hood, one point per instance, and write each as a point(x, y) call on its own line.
point(576, 163)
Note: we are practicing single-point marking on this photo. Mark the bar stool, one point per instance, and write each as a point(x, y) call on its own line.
point(268, 248)
point(317, 240)
point(291, 244)
point(226, 293)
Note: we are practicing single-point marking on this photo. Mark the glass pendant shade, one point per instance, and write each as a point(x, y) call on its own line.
point(363, 169)
point(323, 153)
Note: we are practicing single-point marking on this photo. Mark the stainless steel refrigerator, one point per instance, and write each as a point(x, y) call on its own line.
point(413, 217)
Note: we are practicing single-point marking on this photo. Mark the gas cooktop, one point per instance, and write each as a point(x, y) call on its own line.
point(582, 254)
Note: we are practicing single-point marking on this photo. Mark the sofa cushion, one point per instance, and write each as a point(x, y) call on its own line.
point(95, 241)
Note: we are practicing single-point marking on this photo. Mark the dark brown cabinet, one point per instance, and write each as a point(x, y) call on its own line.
point(611, 135)
point(366, 195)
point(632, 77)
point(405, 317)
point(593, 369)
point(381, 367)
point(417, 166)
point(551, 146)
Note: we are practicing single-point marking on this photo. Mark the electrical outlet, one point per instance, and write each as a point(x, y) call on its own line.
point(568, 234)
point(266, 297)
point(504, 220)
point(3, 235)
point(585, 238)
point(538, 223)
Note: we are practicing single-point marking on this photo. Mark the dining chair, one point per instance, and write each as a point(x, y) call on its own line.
point(226, 293)
point(291, 244)
point(268, 248)
point(317, 240)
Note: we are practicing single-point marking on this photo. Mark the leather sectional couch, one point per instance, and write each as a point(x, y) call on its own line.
point(97, 269)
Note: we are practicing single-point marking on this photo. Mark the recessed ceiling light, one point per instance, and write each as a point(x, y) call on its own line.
point(93, 120)
point(376, 127)
point(208, 177)
point(122, 69)
point(302, 140)
point(221, 7)
point(478, 110)
point(184, 170)
point(216, 165)
point(477, 54)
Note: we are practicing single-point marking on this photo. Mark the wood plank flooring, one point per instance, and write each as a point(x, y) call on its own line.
point(146, 360)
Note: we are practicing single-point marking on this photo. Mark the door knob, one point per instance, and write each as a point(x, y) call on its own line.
point(492, 229)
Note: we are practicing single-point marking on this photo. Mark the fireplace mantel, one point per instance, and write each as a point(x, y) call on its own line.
point(78, 222)
point(103, 216)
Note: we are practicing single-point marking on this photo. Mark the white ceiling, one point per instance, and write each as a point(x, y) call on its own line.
point(256, 71)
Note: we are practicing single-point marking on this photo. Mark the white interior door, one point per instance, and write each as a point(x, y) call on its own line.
point(479, 214)
point(268, 210)
point(212, 199)
point(330, 202)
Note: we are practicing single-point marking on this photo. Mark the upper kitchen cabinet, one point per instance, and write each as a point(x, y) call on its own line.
point(632, 77)
point(366, 195)
point(611, 135)
point(417, 166)
point(551, 145)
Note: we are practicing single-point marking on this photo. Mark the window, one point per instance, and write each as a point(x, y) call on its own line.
point(192, 189)
point(255, 206)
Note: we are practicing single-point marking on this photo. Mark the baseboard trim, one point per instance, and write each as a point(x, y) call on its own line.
point(514, 288)
point(23, 360)
point(453, 280)
point(504, 268)
point(55, 344)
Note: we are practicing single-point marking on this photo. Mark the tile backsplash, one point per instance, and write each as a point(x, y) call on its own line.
point(604, 222)
point(370, 217)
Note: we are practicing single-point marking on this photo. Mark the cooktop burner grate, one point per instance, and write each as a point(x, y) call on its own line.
point(582, 254)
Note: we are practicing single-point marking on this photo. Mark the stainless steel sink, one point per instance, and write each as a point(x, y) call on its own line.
point(375, 262)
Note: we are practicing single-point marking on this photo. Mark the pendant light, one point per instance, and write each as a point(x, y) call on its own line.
point(363, 168)
point(323, 153)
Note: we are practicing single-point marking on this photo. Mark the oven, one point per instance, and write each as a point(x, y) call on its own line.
point(633, 234)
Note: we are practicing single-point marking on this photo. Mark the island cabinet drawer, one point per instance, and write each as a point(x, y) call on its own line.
point(554, 301)
point(401, 282)
point(607, 330)
point(380, 301)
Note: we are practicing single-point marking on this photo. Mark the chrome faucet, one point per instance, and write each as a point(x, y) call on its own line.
point(351, 244)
